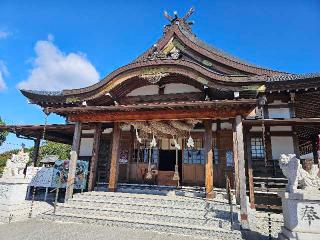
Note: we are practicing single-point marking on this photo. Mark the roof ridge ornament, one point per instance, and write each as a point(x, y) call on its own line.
point(180, 21)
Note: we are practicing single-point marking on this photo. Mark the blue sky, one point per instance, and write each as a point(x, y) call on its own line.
point(47, 44)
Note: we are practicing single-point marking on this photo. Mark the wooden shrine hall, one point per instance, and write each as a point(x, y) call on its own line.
point(186, 113)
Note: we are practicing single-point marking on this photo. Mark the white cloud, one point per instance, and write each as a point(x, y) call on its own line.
point(3, 73)
point(4, 34)
point(55, 70)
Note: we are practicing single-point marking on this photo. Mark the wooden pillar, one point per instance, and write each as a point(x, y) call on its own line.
point(208, 158)
point(236, 164)
point(73, 160)
point(130, 153)
point(36, 149)
point(242, 173)
point(71, 175)
point(76, 137)
point(95, 156)
point(220, 175)
point(250, 168)
point(114, 168)
point(295, 141)
point(268, 150)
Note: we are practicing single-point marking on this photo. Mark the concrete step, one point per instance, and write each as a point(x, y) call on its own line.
point(165, 227)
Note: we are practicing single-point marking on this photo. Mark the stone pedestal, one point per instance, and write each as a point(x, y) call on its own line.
point(301, 214)
point(12, 199)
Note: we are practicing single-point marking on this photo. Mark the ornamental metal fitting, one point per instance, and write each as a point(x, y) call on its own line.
point(154, 78)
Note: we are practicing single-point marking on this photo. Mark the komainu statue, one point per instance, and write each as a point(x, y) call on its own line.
point(306, 176)
point(15, 165)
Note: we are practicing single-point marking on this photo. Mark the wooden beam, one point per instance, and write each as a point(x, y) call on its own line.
point(283, 122)
point(220, 104)
point(242, 174)
point(114, 168)
point(36, 149)
point(208, 158)
point(158, 115)
point(95, 156)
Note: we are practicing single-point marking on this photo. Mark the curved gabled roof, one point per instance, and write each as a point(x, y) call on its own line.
point(190, 40)
point(194, 59)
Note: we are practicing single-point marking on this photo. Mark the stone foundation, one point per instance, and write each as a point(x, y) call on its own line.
point(301, 213)
point(12, 199)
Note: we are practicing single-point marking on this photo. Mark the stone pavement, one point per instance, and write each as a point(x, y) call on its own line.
point(46, 230)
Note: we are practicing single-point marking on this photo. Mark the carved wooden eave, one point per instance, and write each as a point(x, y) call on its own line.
point(159, 111)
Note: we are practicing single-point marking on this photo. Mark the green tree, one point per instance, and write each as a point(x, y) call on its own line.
point(48, 148)
point(53, 148)
point(3, 134)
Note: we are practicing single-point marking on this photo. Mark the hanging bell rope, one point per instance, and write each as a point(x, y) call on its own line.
point(137, 136)
point(47, 113)
point(262, 102)
point(153, 143)
point(176, 176)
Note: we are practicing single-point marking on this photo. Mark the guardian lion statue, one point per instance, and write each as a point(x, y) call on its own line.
point(306, 177)
point(15, 165)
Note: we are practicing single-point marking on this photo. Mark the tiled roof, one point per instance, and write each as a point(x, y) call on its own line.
point(45, 93)
point(219, 52)
point(290, 77)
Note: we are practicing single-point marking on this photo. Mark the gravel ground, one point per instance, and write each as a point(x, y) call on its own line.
point(260, 227)
point(45, 230)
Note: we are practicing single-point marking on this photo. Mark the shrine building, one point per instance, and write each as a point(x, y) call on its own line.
point(184, 113)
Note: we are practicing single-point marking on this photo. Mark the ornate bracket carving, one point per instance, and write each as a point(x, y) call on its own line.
point(154, 78)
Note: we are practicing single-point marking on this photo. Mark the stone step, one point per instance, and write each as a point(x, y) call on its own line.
point(151, 200)
point(166, 191)
point(114, 203)
point(165, 227)
point(217, 219)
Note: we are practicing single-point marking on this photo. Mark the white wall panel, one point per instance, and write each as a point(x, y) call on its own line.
point(281, 145)
point(86, 147)
point(179, 88)
point(279, 113)
point(145, 90)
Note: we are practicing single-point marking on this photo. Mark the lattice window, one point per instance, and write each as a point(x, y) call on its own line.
point(229, 158)
point(257, 148)
point(215, 151)
point(193, 156)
